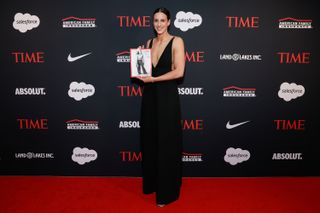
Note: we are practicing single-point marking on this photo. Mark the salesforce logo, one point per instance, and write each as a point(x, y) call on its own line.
point(185, 21)
point(81, 90)
point(83, 155)
point(290, 91)
point(235, 156)
point(25, 22)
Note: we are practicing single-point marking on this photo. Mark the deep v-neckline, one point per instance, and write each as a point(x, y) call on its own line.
point(161, 53)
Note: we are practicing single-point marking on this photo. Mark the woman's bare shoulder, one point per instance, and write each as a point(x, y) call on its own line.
point(178, 38)
point(148, 42)
point(178, 41)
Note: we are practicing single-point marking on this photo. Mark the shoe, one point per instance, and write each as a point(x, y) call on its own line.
point(161, 205)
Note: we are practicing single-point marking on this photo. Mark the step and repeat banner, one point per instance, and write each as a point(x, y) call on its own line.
point(248, 99)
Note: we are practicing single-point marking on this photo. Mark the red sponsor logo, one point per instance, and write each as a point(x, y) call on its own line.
point(131, 21)
point(129, 91)
point(292, 58)
point(32, 124)
point(194, 125)
point(242, 22)
point(130, 156)
point(287, 125)
point(25, 57)
point(196, 57)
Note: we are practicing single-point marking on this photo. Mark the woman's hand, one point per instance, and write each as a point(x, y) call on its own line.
point(147, 79)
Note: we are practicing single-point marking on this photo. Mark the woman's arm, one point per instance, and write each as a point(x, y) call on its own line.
point(178, 64)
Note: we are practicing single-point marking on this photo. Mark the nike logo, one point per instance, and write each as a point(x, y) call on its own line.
point(231, 126)
point(72, 59)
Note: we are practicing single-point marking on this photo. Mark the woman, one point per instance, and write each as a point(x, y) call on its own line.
point(161, 132)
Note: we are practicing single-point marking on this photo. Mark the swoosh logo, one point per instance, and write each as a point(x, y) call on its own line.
point(231, 126)
point(72, 59)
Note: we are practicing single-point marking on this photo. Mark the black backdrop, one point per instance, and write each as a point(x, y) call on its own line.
point(237, 49)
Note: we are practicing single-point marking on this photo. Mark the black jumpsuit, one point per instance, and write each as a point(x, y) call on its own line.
point(161, 134)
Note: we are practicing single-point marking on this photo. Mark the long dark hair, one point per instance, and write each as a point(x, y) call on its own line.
point(162, 10)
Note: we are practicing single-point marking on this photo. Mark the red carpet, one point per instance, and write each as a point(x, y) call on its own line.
point(198, 195)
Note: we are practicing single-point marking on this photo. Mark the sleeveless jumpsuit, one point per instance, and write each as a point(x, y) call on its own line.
point(161, 134)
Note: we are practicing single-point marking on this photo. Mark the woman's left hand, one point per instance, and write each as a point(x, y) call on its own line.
point(147, 79)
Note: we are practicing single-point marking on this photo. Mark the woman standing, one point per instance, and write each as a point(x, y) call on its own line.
point(161, 132)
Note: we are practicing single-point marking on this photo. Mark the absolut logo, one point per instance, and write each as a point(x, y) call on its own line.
point(191, 90)
point(287, 156)
point(129, 124)
point(30, 91)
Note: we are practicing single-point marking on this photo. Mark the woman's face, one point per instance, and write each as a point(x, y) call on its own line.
point(160, 23)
